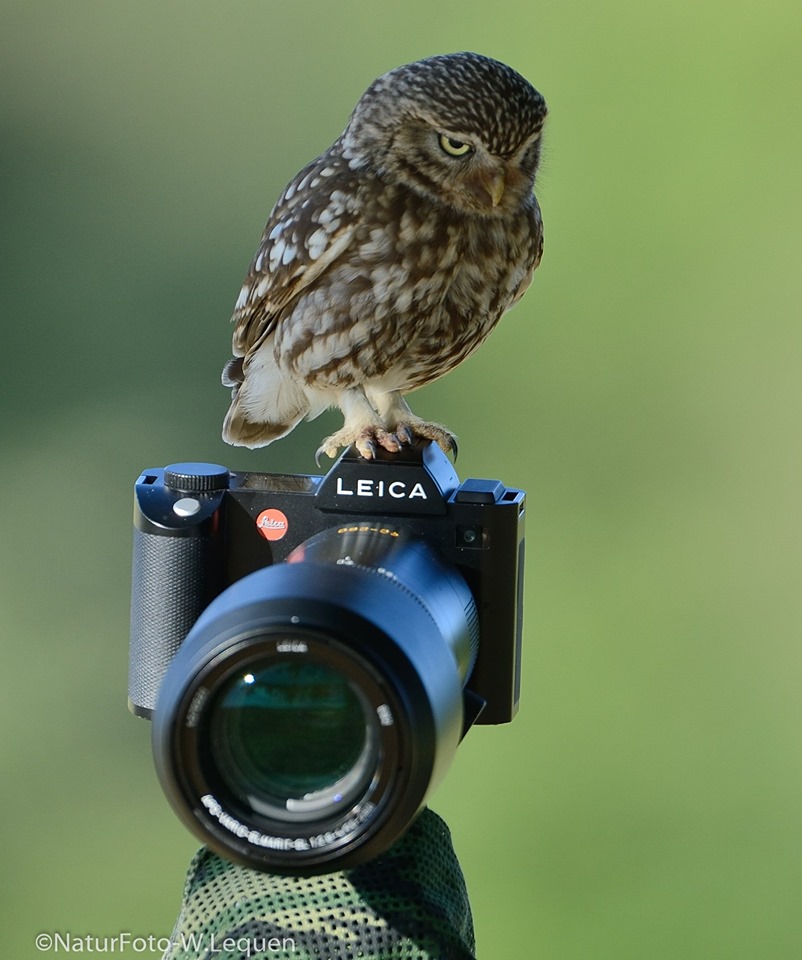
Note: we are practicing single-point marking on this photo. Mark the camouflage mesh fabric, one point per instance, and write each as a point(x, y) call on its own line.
point(408, 904)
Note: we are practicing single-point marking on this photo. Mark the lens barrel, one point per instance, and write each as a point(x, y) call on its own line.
point(315, 703)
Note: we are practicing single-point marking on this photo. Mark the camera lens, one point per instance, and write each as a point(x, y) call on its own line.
point(293, 740)
point(314, 704)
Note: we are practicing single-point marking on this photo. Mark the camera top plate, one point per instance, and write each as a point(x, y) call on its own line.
point(418, 479)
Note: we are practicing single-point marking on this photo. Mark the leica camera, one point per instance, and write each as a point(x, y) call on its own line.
point(312, 649)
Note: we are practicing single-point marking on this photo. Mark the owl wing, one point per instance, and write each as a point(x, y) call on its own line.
point(312, 224)
point(535, 251)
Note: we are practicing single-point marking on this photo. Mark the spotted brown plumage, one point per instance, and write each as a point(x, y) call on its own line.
point(389, 259)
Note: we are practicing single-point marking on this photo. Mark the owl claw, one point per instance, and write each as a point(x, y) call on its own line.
point(366, 448)
point(367, 441)
point(444, 438)
point(404, 434)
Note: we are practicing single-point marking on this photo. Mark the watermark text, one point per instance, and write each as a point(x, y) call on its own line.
point(207, 944)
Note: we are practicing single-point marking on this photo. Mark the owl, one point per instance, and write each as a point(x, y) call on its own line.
point(389, 259)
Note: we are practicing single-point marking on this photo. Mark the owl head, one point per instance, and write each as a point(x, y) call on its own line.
point(460, 129)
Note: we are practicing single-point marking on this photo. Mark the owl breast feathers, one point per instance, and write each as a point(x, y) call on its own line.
point(390, 258)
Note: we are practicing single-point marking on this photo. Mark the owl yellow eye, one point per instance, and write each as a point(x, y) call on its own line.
point(454, 148)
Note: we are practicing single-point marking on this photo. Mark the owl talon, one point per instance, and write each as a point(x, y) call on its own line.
point(414, 428)
point(366, 448)
point(324, 450)
point(404, 434)
point(448, 444)
point(367, 441)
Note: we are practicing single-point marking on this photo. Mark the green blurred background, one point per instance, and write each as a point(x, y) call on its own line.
point(646, 803)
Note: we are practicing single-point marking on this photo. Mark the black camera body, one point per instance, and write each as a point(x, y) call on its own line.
point(312, 649)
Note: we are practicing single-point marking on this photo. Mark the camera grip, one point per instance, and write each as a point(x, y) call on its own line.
point(169, 591)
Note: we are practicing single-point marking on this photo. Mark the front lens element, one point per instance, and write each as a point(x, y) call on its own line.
point(293, 740)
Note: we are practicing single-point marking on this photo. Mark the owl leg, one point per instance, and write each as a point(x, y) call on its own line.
point(363, 427)
point(405, 426)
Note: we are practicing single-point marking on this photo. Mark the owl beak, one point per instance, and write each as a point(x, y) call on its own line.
point(494, 184)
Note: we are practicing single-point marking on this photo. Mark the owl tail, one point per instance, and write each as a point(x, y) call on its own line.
point(265, 404)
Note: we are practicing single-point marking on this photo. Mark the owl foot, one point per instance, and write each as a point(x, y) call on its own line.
point(410, 429)
point(406, 427)
point(365, 439)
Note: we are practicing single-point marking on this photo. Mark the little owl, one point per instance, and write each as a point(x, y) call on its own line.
point(390, 258)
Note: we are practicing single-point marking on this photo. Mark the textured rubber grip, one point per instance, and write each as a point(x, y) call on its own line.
point(168, 594)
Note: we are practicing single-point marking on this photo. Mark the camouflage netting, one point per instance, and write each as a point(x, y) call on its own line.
point(408, 904)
